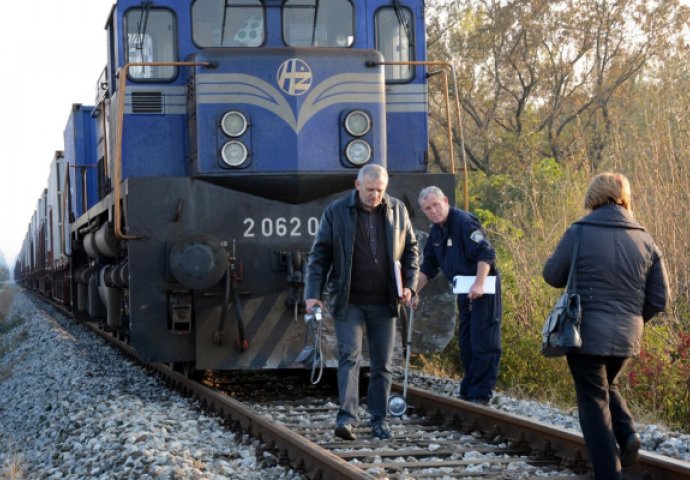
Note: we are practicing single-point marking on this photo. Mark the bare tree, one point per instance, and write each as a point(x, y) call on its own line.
point(535, 74)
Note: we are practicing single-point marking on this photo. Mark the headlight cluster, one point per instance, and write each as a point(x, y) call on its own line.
point(357, 123)
point(358, 151)
point(234, 124)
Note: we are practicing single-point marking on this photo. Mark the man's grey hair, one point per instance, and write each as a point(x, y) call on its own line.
point(432, 190)
point(373, 172)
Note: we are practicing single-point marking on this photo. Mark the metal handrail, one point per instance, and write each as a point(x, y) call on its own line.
point(446, 66)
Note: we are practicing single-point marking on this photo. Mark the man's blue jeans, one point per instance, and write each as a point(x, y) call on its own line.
point(376, 320)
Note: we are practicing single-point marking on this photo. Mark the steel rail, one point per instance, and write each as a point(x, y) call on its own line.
point(314, 460)
point(565, 444)
point(302, 454)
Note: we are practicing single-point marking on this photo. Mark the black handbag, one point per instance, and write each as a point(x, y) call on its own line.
point(561, 331)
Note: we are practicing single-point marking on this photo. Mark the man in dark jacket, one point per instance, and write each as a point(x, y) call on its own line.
point(362, 241)
point(457, 245)
point(622, 283)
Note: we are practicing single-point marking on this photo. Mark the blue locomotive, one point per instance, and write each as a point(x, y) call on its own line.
point(182, 208)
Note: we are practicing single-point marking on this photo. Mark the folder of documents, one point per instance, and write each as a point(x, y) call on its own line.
point(398, 279)
point(462, 284)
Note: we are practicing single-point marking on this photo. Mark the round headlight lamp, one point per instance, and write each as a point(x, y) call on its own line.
point(234, 153)
point(357, 123)
point(358, 152)
point(234, 124)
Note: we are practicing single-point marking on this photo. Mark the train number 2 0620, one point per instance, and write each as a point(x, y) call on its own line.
point(280, 227)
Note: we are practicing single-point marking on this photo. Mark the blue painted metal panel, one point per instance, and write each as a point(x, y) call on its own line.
point(55, 236)
point(81, 159)
point(153, 145)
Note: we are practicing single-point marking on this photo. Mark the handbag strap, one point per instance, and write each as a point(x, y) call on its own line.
point(571, 286)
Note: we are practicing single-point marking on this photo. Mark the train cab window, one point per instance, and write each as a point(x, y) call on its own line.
point(228, 23)
point(150, 36)
point(318, 23)
point(395, 40)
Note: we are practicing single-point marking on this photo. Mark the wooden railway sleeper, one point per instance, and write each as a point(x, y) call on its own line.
point(546, 453)
point(577, 463)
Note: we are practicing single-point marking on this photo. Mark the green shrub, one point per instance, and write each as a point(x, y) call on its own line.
point(657, 383)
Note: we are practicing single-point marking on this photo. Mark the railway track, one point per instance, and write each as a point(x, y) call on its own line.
point(442, 437)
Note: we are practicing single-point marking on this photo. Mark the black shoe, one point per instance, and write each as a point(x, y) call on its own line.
point(381, 431)
point(480, 400)
point(345, 431)
point(630, 453)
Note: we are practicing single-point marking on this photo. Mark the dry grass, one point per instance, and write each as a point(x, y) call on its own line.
point(6, 296)
point(438, 365)
point(7, 323)
point(13, 469)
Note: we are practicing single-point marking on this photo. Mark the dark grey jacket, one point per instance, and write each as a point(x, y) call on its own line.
point(330, 259)
point(620, 277)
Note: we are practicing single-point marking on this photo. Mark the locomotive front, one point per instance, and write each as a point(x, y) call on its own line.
point(281, 111)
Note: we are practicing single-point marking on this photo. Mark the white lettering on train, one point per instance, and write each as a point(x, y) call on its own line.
point(279, 227)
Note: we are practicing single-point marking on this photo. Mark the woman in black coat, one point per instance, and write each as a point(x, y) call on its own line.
point(622, 284)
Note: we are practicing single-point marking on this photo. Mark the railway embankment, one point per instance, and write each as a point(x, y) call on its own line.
point(74, 407)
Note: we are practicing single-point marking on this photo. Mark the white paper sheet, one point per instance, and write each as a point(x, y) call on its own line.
point(462, 284)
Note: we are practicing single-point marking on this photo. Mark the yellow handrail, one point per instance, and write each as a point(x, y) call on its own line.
point(447, 66)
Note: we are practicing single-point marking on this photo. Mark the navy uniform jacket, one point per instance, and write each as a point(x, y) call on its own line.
point(456, 247)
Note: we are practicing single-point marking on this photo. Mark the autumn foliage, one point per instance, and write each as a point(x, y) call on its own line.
point(552, 93)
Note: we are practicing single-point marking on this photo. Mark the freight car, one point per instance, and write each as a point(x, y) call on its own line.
point(182, 207)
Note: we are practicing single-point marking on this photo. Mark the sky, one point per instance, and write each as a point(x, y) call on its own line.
point(51, 54)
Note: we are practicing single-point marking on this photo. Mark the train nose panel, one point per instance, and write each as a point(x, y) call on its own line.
point(295, 113)
point(275, 337)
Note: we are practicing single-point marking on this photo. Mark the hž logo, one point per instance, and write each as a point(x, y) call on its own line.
point(294, 76)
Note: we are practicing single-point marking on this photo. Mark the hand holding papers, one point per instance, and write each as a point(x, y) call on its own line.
point(462, 284)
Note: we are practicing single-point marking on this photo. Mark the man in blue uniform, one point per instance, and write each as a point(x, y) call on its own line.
point(457, 245)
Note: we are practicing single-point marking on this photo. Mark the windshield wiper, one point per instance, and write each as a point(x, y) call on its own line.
point(143, 21)
point(313, 27)
point(401, 20)
point(222, 25)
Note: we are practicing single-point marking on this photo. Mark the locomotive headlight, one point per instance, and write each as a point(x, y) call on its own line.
point(358, 152)
point(234, 124)
point(357, 123)
point(234, 153)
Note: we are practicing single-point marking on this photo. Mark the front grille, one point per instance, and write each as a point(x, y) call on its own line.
point(147, 102)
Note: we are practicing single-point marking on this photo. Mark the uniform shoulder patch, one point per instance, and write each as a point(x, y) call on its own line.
point(477, 236)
